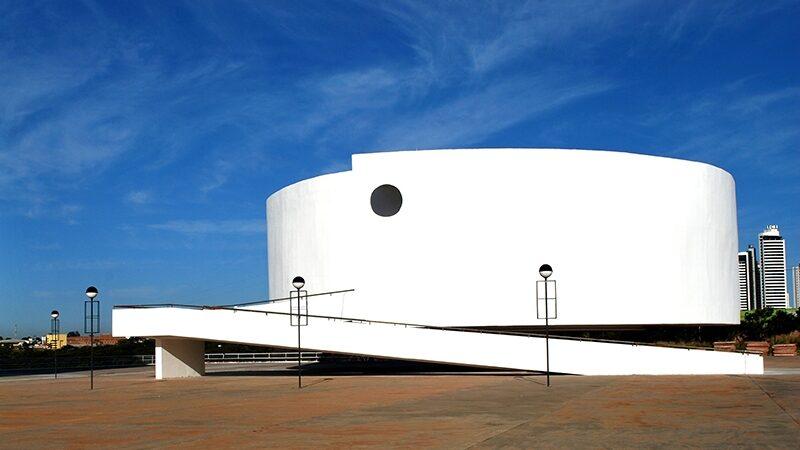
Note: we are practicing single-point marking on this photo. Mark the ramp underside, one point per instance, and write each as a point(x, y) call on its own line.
point(429, 344)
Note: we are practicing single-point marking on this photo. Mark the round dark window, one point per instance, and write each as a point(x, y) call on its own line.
point(386, 200)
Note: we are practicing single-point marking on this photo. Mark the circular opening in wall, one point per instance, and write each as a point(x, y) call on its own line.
point(386, 200)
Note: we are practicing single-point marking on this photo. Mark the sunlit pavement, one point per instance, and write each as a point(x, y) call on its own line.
point(244, 405)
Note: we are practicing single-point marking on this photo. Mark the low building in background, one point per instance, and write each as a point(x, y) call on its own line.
point(99, 339)
point(55, 340)
point(12, 342)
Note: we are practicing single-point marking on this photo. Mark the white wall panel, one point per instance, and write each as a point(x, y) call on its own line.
point(633, 239)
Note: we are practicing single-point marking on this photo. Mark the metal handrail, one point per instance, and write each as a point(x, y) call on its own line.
point(430, 327)
point(273, 300)
point(264, 357)
point(256, 302)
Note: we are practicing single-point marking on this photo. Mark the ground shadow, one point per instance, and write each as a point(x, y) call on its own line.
point(365, 368)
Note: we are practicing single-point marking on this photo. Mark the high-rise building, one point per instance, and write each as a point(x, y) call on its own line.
point(749, 297)
point(758, 300)
point(772, 249)
point(744, 289)
point(796, 279)
point(759, 292)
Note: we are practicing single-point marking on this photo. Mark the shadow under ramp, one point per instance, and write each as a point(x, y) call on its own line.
point(356, 366)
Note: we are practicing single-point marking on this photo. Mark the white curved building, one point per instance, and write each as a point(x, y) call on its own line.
point(633, 239)
point(433, 255)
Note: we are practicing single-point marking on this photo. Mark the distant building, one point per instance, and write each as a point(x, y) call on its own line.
point(99, 339)
point(796, 279)
point(744, 288)
point(772, 248)
point(749, 297)
point(759, 291)
point(55, 340)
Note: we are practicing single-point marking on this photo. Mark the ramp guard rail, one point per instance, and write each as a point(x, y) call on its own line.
point(44, 364)
point(267, 357)
point(283, 299)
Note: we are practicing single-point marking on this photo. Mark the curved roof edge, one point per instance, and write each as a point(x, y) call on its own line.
point(306, 180)
point(616, 152)
point(376, 154)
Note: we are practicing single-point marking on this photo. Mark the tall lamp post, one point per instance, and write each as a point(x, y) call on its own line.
point(91, 325)
point(298, 283)
point(55, 332)
point(546, 271)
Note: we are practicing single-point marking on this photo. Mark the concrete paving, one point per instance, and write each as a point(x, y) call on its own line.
point(243, 406)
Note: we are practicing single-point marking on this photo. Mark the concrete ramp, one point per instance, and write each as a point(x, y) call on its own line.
point(172, 325)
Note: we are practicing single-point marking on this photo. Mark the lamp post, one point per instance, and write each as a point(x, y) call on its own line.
point(298, 283)
point(91, 325)
point(545, 271)
point(55, 332)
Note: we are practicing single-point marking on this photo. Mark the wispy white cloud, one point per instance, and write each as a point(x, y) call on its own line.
point(70, 209)
point(737, 123)
point(465, 72)
point(699, 20)
point(217, 175)
point(73, 109)
point(49, 209)
point(531, 26)
point(359, 85)
point(79, 264)
point(760, 102)
point(47, 246)
point(88, 102)
point(194, 227)
point(474, 117)
point(139, 197)
point(442, 96)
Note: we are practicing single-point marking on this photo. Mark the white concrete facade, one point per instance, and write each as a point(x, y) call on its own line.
point(633, 239)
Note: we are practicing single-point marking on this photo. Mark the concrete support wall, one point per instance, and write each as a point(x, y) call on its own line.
point(179, 358)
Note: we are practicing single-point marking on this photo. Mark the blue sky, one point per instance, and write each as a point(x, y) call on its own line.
point(139, 140)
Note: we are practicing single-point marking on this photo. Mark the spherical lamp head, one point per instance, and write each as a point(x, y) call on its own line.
point(298, 282)
point(545, 271)
point(54, 314)
point(91, 292)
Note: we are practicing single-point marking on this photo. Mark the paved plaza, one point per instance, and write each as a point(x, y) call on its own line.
point(245, 406)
